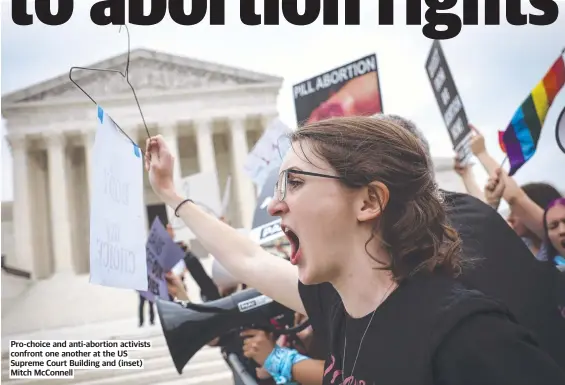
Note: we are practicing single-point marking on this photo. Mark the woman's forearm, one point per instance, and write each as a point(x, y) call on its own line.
point(488, 162)
point(472, 186)
point(308, 372)
point(240, 256)
point(231, 248)
point(522, 206)
point(511, 189)
point(529, 213)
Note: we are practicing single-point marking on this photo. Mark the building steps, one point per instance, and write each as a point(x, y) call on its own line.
point(206, 367)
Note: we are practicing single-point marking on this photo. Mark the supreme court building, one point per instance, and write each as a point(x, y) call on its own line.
point(211, 115)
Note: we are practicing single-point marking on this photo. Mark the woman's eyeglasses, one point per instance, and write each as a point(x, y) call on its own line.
point(280, 186)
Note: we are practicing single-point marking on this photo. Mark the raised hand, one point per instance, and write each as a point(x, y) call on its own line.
point(495, 188)
point(159, 164)
point(477, 142)
point(257, 345)
point(176, 287)
point(460, 169)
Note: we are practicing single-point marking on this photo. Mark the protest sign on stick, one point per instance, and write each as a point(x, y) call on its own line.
point(162, 255)
point(349, 90)
point(266, 228)
point(449, 102)
point(117, 220)
point(156, 283)
point(267, 153)
point(204, 190)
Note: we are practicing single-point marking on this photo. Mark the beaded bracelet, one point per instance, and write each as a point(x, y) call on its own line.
point(179, 206)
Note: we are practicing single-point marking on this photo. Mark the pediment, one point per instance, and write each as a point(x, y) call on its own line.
point(149, 72)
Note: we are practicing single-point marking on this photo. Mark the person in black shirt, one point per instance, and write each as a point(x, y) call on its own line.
point(503, 266)
point(361, 209)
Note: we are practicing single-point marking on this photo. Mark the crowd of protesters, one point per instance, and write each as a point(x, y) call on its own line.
point(379, 263)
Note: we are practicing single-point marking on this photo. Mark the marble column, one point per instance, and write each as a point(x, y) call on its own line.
point(21, 209)
point(88, 143)
point(244, 189)
point(205, 146)
point(59, 202)
point(266, 120)
point(207, 153)
point(169, 132)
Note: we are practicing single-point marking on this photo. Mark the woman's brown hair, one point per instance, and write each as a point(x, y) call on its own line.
point(413, 225)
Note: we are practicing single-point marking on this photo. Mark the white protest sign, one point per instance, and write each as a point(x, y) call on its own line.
point(117, 218)
point(266, 154)
point(203, 189)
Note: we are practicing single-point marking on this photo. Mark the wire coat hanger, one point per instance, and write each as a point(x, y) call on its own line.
point(125, 75)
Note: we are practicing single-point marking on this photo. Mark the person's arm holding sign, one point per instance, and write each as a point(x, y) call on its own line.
point(176, 287)
point(242, 257)
point(521, 204)
point(466, 174)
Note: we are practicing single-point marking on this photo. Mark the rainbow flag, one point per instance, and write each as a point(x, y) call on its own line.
point(519, 140)
point(501, 141)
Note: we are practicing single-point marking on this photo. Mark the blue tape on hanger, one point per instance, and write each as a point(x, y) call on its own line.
point(136, 151)
point(100, 114)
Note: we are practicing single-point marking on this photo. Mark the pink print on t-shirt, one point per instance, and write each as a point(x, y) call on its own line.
point(336, 375)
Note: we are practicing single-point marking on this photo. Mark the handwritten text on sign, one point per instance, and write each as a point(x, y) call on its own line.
point(162, 255)
point(267, 153)
point(117, 231)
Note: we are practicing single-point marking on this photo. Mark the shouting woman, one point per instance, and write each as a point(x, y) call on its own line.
point(359, 205)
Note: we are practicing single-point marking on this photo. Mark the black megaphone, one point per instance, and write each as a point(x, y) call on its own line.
point(189, 327)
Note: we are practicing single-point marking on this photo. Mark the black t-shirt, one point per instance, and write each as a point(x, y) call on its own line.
point(430, 330)
point(479, 342)
point(505, 269)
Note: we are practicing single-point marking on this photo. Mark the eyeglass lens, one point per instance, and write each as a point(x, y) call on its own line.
point(280, 187)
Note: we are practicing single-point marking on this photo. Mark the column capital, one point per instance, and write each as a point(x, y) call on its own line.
point(200, 122)
point(203, 126)
point(238, 122)
point(55, 140)
point(131, 131)
point(266, 119)
point(88, 136)
point(17, 141)
point(168, 128)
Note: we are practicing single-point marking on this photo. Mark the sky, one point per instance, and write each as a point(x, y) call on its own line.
point(494, 67)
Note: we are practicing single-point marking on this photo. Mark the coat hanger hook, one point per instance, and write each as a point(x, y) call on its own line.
point(125, 75)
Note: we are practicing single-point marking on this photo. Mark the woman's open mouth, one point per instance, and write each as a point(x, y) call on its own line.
point(295, 252)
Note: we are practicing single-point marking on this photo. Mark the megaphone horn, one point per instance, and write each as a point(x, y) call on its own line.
point(188, 329)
